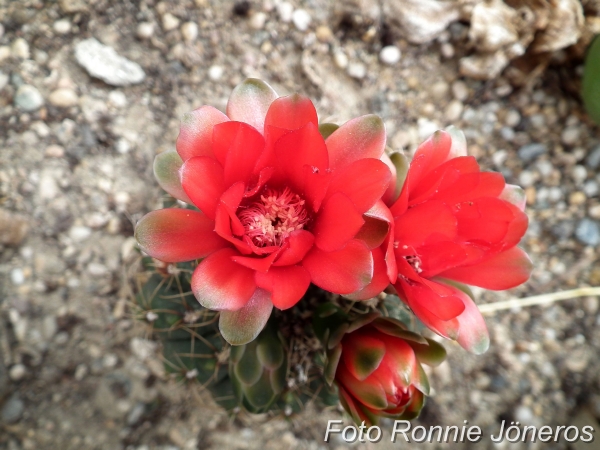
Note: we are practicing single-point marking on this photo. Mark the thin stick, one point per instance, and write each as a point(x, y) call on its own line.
point(542, 299)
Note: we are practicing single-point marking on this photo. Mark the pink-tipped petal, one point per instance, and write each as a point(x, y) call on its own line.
point(202, 180)
point(195, 133)
point(341, 272)
point(244, 325)
point(219, 283)
point(287, 284)
point(473, 333)
point(166, 171)
point(363, 181)
point(337, 223)
point(176, 235)
point(504, 270)
point(515, 195)
point(363, 354)
point(359, 138)
point(459, 142)
point(250, 101)
point(429, 155)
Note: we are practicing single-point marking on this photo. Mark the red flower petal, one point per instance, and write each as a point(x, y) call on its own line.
point(378, 283)
point(363, 354)
point(445, 307)
point(287, 284)
point(250, 101)
point(291, 113)
point(299, 148)
point(515, 195)
point(244, 325)
point(245, 146)
point(202, 180)
point(176, 235)
point(195, 133)
point(359, 138)
point(441, 256)
point(254, 263)
point(445, 328)
point(485, 220)
point(221, 284)
point(337, 223)
point(428, 222)
point(369, 392)
point(223, 229)
point(430, 154)
point(363, 181)
point(341, 272)
point(504, 270)
point(315, 187)
point(299, 242)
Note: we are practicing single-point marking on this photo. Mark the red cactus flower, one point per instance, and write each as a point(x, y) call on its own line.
point(280, 206)
point(379, 373)
point(455, 224)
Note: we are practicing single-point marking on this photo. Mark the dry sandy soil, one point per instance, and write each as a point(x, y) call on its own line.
point(76, 372)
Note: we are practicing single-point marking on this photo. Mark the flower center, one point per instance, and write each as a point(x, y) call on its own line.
point(273, 217)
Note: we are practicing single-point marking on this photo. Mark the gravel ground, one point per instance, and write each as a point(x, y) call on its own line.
point(76, 151)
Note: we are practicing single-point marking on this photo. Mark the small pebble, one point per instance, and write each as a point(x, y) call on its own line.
point(588, 232)
point(594, 212)
point(591, 188)
point(54, 151)
point(390, 55)
point(447, 50)
point(357, 70)
point(526, 178)
point(62, 26)
point(570, 135)
point(285, 10)
point(80, 372)
point(79, 233)
point(28, 98)
point(453, 110)
point(169, 22)
point(17, 276)
point(593, 159)
point(577, 198)
point(579, 174)
point(189, 31)
point(145, 30)
point(20, 49)
point(117, 99)
point(324, 34)
point(301, 19)
point(17, 372)
point(531, 151)
point(215, 72)
point(12, 410)
point(460, 90)
point(257, 20)
point(63, 98)
point(340, 59)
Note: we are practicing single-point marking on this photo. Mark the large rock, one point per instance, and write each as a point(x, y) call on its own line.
point(103, 62)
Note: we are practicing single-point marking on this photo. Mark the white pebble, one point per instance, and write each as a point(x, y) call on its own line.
point(189, 31)
point(301, 19)
point(169, 22)
point(80, 372)
point(453, 110)
point(215, 72)
point(258, 20)
point(460, 90)
point(63, 98)
point(17, 276)
point(79, 233)
point(447, 50)
point(285, 10)
point(145, 30)
point(20, 48)
point(117, 99)
point(340, 59)
point(17, 372)
point(499, 157)
point(357, 70)
point(579, 174)
point(122, 146)
point(526, 178)
point(390, 55)
point(570, 135)
point(62, 26)
point(54, 151)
